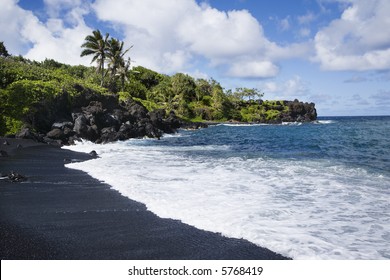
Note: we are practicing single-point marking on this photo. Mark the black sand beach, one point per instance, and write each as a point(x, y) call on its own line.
point(60, 213)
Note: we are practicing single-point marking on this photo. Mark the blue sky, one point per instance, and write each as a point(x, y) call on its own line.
point(335, 53)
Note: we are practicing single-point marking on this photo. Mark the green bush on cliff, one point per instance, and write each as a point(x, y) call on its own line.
point(9, 125)
point(252, 113)
point(28, 86)
point(20, 100)
point(272, 115)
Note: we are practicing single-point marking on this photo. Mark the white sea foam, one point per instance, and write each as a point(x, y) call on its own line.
point(292, 123)
point(302, 209)
point(243, 124)
point(325, 121)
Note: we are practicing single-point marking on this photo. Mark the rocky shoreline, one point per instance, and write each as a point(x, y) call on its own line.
point(98, 118)
point(106, 118)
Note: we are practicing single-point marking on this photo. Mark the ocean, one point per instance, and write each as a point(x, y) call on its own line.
point(316, 190)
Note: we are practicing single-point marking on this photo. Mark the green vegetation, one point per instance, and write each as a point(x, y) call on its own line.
point(25, 86)
point(3, 50)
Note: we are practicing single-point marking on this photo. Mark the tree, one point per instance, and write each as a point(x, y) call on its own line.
point(203, 88)
point(184, 86)
point(51, 64)
point(250, 93)
point(147, 77)
point(115, 54)
point(97, 46)
point(3, 50)
point(123, 72)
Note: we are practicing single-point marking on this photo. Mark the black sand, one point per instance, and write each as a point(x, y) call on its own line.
point(60, 213)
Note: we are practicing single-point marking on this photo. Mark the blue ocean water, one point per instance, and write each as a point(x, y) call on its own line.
point(309, 191)
point(356, 141)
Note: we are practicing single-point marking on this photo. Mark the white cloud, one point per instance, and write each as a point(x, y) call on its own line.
point(292, 88)
point(357, 40)
point(173, 33)
point(25, 34)
point(175, 60)
point(54, 8)
point(253, 69)
point(216, 34)
point(150, 27)
point(62, 44)
point(304, 32)
point(12, 19)
point(285, 24)
point(307, 18)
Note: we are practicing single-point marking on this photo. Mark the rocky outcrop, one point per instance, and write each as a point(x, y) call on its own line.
point(97, 118)
point(299, 112)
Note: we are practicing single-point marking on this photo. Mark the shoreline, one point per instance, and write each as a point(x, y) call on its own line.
point(61, 213)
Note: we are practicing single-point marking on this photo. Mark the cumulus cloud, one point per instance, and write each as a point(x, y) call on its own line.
point(292, 88)
point(168, 36)
point(25, 34)
point(253, 69)
point(54, 8)
point(182, 30)
point(12, 20)
point(357, 40)
point(61, 44)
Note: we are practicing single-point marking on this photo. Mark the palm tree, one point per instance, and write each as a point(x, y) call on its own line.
point(123, 71)
point(115, 56)
point(97, 46)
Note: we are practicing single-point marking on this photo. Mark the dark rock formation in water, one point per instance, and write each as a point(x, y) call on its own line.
point(299, 112)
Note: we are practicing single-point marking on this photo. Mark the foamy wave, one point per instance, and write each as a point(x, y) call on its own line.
point(292, 123)
point(305, 209)
point(325, 121)
point(242, 124)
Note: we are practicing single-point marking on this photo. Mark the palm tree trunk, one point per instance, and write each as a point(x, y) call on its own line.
point(102, 69)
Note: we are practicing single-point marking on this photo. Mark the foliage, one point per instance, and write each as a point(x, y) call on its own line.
point(247, 93)
point(147, 77)
point(163, 95)
point(149, 105)
point(27, 86)
point(263, 111)
point(203, 89)
point(9, 125)
point(97, 46)
point(110, 51)
point(123, 72)
point(21, 99)
point(3, 50)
